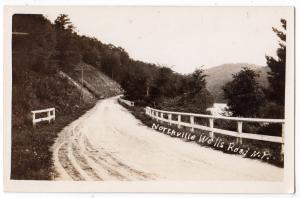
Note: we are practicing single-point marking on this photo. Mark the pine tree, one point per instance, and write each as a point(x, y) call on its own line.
point(276, 92)
point(68, 53)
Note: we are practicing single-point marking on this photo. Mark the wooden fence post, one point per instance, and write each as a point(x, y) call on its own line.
point(283, 142)
point(54, 114)
point(179, 121)
point(162, 116)
point(211, 126)
point(170, 118)
point(49, 115)
point(192, 123)
point(240, 129)
point(33, 119)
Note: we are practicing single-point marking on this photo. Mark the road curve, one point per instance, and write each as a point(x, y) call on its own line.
point(108, 143)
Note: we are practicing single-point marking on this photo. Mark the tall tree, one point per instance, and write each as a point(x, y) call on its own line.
point(276, 92)
point(63, 22)
point(244, 95)
point(162, 85)
point(196, 81)
point(67, 43)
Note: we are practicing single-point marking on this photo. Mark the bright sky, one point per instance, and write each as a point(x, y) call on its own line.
point(182, 37)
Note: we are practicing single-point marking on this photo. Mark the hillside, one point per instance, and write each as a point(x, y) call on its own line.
point(33, 90)
point(218, 76)
point(95, 81)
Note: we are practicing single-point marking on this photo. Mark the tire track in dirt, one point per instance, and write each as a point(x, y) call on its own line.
point(84, 164)
point(80, 158)
point(67, 164)
point(81, 161)
point(68, 158)
point(89, 164)
point(100, 156)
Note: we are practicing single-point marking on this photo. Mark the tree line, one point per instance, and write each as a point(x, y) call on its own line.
point(50, 47)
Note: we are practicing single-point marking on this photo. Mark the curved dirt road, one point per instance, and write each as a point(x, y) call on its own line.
point(108, 143)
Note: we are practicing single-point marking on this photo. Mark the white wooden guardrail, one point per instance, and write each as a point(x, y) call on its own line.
point(127, 102)
point(159, 115)
point(50, 115)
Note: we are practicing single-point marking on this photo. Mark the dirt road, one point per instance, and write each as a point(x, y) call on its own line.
point(108, 143)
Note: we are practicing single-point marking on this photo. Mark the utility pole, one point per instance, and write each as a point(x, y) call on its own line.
point(81, 69)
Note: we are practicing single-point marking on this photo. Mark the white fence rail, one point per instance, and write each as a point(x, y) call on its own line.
point(127, 102)
point(50, 115)
point(159, 116)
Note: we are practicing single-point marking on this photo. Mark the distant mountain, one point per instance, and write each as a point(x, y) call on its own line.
point(218, 76)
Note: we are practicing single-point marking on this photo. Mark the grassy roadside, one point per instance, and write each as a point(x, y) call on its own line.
point(258, 150)
point(31, 155)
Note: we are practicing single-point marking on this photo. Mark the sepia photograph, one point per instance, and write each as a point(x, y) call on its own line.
point(150, 94)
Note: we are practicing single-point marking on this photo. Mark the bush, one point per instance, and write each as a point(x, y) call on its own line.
point(272, 110)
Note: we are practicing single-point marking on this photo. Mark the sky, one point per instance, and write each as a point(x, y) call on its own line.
point(183, 38)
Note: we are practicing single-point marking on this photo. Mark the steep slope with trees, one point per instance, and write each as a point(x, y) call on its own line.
point(39, 83)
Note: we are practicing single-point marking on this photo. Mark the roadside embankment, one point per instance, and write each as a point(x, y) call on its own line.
point(258, 150)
